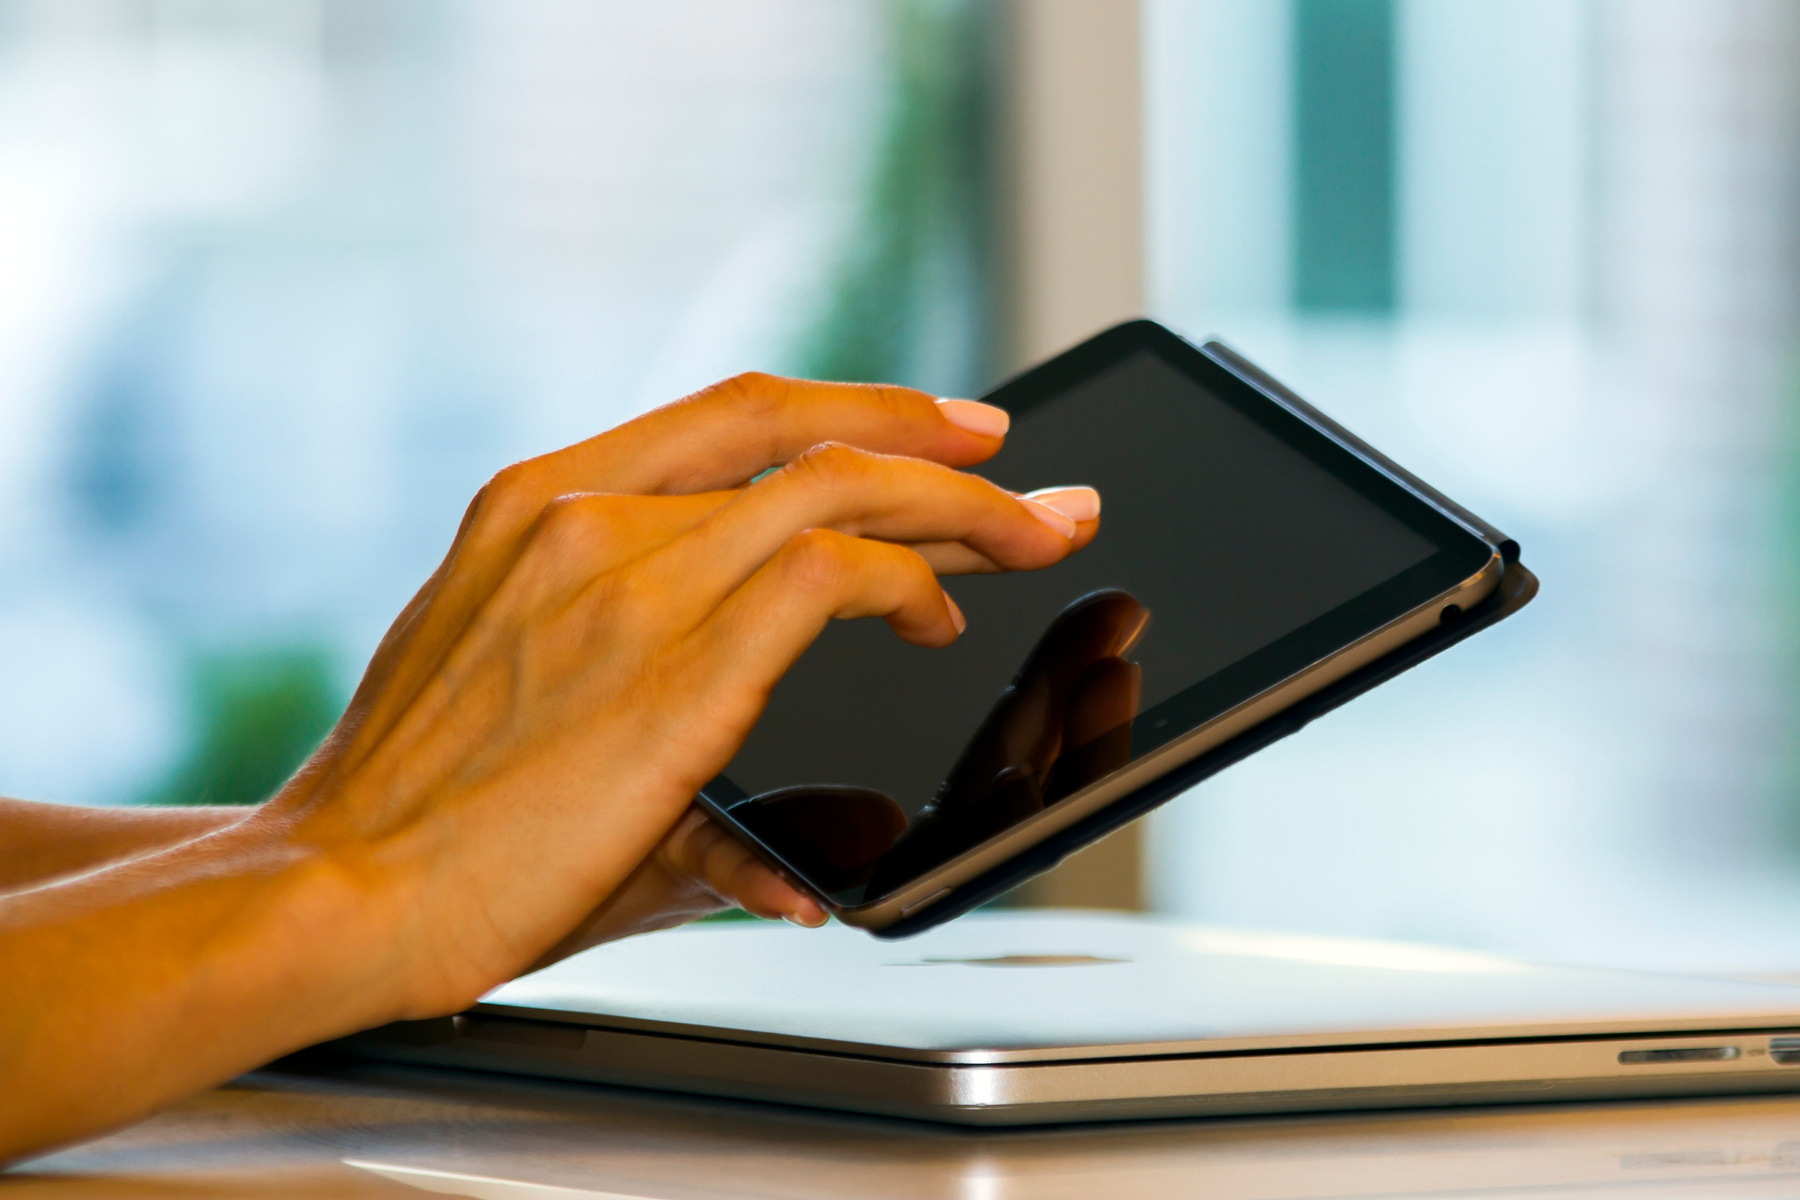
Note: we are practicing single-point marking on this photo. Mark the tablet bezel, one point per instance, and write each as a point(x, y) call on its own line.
point(1461, 556)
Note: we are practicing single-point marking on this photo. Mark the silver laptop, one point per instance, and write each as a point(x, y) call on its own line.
point(1017, 1018)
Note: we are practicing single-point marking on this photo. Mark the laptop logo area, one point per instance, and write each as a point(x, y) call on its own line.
point(1016, 960)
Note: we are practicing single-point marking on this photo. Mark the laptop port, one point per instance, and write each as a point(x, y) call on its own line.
point(1785, 1050)
point(1685, 1054)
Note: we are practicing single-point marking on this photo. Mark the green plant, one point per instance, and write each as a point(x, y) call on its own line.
point(257, 714)
point(908, 301)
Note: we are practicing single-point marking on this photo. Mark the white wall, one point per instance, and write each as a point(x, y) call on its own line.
point(1597, 254)
point(1219, 155)
point(1494, 172)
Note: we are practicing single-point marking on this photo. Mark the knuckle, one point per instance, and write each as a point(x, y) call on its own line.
point(831, 464)
point(504, 505)
point(511, 482)
point(758, 382)
point(566, 513)
point(916, 570)
point(757, 393)
point(815, 560)
point(911, 576)
point(900, 403)
point(577, 524)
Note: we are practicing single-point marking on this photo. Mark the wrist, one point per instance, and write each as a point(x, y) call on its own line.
point(310, 943)
point(364, 902)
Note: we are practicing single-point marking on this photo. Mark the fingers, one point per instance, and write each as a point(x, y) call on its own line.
point(822, 575)
point(868, 495)
point(725, 435)
point(954, 558)
point(751, 639)
point(613, 529)
point(579, 536)
point(718, 438)
point(721, 863)
point(728, 433)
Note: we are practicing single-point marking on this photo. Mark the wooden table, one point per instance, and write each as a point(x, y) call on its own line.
point(364, 1131)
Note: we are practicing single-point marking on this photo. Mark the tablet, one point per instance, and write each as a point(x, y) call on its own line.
point(1250, 554)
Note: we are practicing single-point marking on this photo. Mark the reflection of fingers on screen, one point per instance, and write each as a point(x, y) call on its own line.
point(1098, 624)
point(849, 827)
point(1133, 635)
point(1104, 698)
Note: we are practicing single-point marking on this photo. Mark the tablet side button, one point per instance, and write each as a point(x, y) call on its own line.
point(907, 910)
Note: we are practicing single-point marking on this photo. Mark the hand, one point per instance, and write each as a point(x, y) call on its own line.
point(510, 779)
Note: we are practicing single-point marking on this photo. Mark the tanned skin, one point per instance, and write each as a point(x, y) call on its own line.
point(512, 781)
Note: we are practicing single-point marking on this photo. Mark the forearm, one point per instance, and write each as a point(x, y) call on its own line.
point(39, 842)
point(130, 987)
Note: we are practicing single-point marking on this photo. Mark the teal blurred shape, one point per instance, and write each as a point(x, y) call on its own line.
point(1344, 156)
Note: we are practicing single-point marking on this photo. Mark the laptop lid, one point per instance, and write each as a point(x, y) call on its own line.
point(1036, 986)
point(1020, 1018)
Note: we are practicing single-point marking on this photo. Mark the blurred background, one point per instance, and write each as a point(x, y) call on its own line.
point(283, 281)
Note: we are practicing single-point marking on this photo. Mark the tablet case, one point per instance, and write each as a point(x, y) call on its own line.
point(1517, 587)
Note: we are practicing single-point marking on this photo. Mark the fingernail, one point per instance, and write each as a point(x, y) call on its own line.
point(794, 919)
point(956, 613)
point(976, 417)
point(1049, 516)
point(1075, 503)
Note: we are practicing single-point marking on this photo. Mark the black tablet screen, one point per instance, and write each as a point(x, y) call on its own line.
point(1230, 553)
